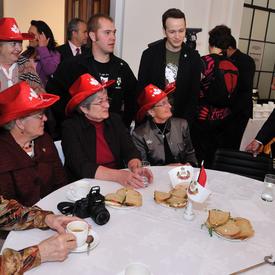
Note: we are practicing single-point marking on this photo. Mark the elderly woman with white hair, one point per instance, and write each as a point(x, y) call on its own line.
point(13, 66)
point(96, 144)
point(162, 139)
point(29, 164)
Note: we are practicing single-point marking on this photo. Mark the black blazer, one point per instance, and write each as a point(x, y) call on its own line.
point(79, 145)
point(243, 101)
point(66, 52)
point(267, 132)
point(152, 70)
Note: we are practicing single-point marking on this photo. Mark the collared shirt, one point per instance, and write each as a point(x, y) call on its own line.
point(74, 48)
point(8, 77)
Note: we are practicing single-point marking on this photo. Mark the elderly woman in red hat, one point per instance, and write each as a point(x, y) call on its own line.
point(13, 67)
point(162, 139)
point(29, 164)
point(96, 143)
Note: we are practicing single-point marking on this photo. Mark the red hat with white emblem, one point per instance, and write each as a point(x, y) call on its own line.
point(85, 86)
point(9, 31)
point(150, 96)
point(20, 100)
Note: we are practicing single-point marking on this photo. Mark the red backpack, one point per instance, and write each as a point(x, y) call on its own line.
point(223, 85)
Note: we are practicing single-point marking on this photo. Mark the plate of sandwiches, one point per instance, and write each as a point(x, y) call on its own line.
point(229, 228)
point(124, 198)
point(175, 198)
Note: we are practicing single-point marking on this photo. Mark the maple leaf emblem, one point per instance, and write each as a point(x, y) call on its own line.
point(156, 92)
point(32, 95)
point(15, 29)
point(93, 81)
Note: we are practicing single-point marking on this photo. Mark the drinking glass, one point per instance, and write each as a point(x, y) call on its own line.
point(137, 269)
point(145, 165)
point(267, 194)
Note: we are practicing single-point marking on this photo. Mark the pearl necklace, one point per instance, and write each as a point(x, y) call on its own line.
point(28, 146)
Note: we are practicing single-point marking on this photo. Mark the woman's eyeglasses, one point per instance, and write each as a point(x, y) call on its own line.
point(163, 104)
point(102, 101)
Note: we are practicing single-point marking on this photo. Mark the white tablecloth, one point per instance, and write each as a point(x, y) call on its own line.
point(252, 128)
point(162, 239)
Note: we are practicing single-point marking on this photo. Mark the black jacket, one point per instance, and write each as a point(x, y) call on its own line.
point(152, 70)
point(79, 145)
point(66, 52)
point(243, 100)
point(123, 92)
point(267, 132)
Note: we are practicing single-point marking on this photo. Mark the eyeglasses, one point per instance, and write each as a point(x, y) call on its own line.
point(40, 115)
point(164, 103)
point(14, 43)
point(102, 101)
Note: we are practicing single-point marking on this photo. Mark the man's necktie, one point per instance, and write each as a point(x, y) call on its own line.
point(77, 51)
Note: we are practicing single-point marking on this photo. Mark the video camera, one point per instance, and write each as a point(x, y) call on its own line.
point(191, 37)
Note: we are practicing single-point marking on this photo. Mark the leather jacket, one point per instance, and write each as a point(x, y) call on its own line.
point(149, 141)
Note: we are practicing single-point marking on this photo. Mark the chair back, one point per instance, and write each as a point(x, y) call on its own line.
point(243, 163)
point(59, 150)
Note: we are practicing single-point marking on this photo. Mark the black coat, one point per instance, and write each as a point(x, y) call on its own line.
point(66, 52)
point(267, 132)
point(152, 70)
point(79, 145)
point(243, 103)
point(122, 93)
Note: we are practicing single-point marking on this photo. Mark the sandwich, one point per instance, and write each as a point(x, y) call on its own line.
point(160, 197)
point(217, 217)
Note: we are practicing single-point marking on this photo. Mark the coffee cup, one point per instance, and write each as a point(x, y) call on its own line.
point(80, 230)
point(78, 190)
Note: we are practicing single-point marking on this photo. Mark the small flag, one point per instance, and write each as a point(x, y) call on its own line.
point(202, 176)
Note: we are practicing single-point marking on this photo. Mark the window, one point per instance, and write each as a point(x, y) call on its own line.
point(257, 38)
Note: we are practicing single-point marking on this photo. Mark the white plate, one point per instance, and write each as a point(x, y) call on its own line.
point(84, 247)
point(123, 207)
point(228, 239)
point(168, 206)
point(173, 174)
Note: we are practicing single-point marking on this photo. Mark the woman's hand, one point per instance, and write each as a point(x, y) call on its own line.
point(57, 247)
point(43, 41)
point(59, 222)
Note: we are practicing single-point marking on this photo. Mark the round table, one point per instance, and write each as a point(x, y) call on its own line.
point(160, 237)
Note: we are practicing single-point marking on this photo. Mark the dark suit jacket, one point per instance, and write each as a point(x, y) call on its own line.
point(267, 132)
point(152, 70)
point(29, 179)
point(79, 145)
point(66, 52)
point(243, 103)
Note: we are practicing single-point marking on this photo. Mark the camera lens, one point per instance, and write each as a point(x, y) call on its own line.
point(99, 214)
point(102, 217)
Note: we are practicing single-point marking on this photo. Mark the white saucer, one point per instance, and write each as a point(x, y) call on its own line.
point(84, 247)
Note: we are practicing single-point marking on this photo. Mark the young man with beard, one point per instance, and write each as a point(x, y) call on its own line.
point(104, 66)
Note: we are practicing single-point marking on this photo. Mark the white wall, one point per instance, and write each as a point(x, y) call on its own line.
point(139, 22)
point(50, 11)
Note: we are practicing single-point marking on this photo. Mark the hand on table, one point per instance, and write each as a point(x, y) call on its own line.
point(253, 147)
point(134, 179)
point(57, 247)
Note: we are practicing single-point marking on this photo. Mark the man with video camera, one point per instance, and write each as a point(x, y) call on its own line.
point(171, 60)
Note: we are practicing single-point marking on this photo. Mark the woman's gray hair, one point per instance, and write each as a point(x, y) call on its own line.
point(8, 126)
point(86, 102)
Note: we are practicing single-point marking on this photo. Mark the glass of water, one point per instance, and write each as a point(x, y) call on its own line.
point(269, 181)
point(145, 165)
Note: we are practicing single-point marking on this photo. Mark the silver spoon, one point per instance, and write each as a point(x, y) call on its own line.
point(267, 260)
